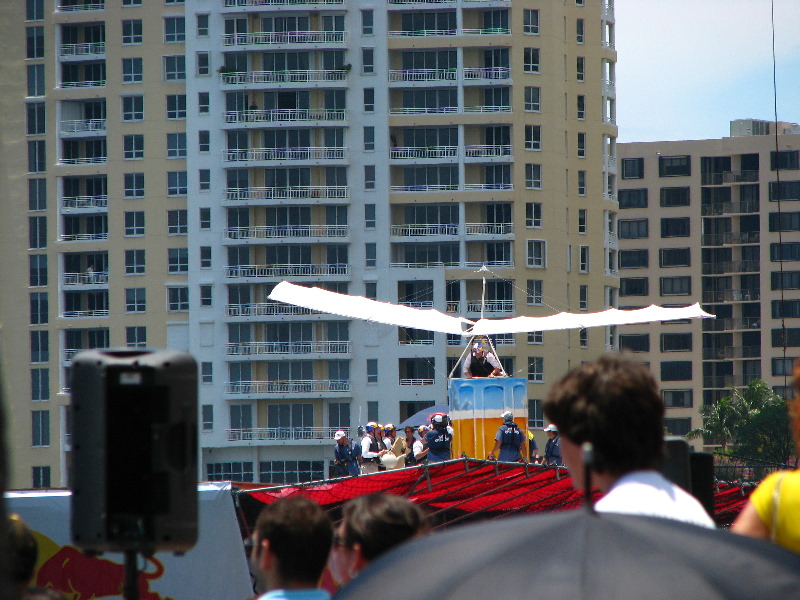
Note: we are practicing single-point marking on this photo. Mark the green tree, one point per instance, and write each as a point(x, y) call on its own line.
point(719, 423)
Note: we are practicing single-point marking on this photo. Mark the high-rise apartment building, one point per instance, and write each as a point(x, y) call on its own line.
point(713, 221)
point(168, 163)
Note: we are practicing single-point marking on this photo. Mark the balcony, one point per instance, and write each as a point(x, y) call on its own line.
point(286, 270)
point(742, 295)
point(83, 126)
point(83, 160)
point(282, 434)
point(728, 177)
point(489, 228)
point(87, 278)
point(504, 307)
point(244, 3)
point(286, 231)
point(422, 152)
point(87, 83)
point(298, 76)
point(288, 347)
point(730, 237)
point(265, 309)
point(300, 192)
point(487, 73)
point(423, 75)
point(728, 352)
point(424, 110)
point(73, 314)
point(92, 49)
point(272, 38)
point(488, 151)
point(425, 229)
point(263, 154)
point(744, 323)
point(724, 208)
point(423, 33)
point(303, 386)
point(73, 202)
point(285, 115)
point(82, 237)
point(731, 266)
point(425, 265)
point(73, 6)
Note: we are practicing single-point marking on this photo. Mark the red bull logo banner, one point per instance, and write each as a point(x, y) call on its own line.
point(215, 568)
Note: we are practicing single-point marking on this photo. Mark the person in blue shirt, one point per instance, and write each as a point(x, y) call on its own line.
point(552, 451)
point(346, 455)
point(438, 439)
point(508, 441)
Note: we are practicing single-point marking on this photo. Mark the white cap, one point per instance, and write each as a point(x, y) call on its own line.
point(551, 427)
point(507, 416)
point(339, 435)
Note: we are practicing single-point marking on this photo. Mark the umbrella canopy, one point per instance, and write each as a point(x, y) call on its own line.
point(423, 417)
point(576, 555)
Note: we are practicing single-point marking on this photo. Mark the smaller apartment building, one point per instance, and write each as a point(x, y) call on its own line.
point(716, 222)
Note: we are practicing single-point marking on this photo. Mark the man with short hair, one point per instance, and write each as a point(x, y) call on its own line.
point(508, 440)
point(552, 450)
point(439, 438)
point(291, 542)
point(593, 403)
point(480, 363)
point(346, 455)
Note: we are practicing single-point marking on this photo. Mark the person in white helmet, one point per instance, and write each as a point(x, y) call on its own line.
point(509, 440)
point(552, 451)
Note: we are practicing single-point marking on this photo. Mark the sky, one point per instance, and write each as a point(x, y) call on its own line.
point(686, 68)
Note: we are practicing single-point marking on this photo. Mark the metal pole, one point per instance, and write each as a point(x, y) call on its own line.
point(131, 589)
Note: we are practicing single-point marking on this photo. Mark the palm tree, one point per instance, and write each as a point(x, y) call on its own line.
point(720, 421)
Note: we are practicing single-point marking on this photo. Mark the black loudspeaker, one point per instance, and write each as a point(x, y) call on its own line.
point(676, 462)
point(701, 466)
point(134, 450)
point(693, 471)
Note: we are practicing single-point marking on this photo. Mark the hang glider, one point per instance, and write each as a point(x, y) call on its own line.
point(358, 307)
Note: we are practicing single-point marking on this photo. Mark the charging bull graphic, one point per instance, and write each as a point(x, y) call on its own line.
point(82, 577)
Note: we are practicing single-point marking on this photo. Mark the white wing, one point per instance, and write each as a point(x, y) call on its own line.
point(358, 307)
point(566, 320)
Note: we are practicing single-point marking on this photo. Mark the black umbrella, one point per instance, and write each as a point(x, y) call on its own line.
point(577, 555)
point(423, 417)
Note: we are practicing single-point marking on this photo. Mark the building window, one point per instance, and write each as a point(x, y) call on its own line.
point(207, 416)
point(278, 472)
point(34, 37)
point(537, 254)
point(535, 414)
point(677, 398)
point(175, 68)
point(530, 21)
point(206, 297)
point(136, 337)
point(37, 233)
point(176, 106)
point(674, 196)
point(132, 70)
point(369, 177)
point(177, 299)
point(135, 300)
point(134, 262)
point(580, 70)
point(581, 107)
point(131, 2)
point(536, 337)
point(204, 179)
point(784, 160)
point(40, 477)
point(40, 346)
point(132, 31)
point(204, 140)
point(174, 30)
point(535, 296)
point(372, 370)
point(634, 259)
point(37, 157)
point(581, 183)
point(206, 372)
point(369, 216)
point(582, 221)
point(368, 61)
point(630, 229)
point(633, 198)
point(178, 260)
point(231, 471)
point(632, 168)
point(782, 367)
point(531, 60)
point(583, 259)
point(675, 227)
point(536, 369)
point(674, 257)
point(203, 102)
point(633, 286)
point(581, 145)
point(369, 99)
point(579, 31)
point(533, 214)
point(177, 222)
point(367, 22)
point(39, 308)
point(205, 257)
point(533, 176)
point(371, 290)
point(35, 118)
point(40, 428)
point(203, 64)
point(34, 10)
point(583, 297)
point(679, 426)
point(40, 385)
point(176, 145)
point(205, 218)
point(134, 223)
point(533, 137)
point(371, 251)
point(677, 370)
point(134, 185)
point(533, 99)
point(676, 342)
point(133, 146)
point(201, 26)
point(583, 337)
point(674, 166)
point(177, 184)
point(35, 77)
point(133, 108)
point(369, 138)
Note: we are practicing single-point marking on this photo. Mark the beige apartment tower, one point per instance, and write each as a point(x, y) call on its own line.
point(166, 164)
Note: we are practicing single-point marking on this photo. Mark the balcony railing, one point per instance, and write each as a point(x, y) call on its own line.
point(302, 386)
point(284, 231)
point(297, 76)
point(299, 192)
point(82, 237)
point(422, 32)
point(235, 3)
point(487, 31)
point(424, 265)
point(729, 177)
point(84, 202)
point(72, 314)
point(724, 208)
point(312, 153)
point(495, 185)
point(487, 150)
point(70, 6)
point(487, 73)
point(477, 264)
point(83, 125)
point(726, 352)
point(268, 309)
point(85, 278)
point(491, 306)
point(285, 114)
point(88, 49)
point(83, 84)
point(283, 37)
point(487, 109)
point(742, 295)
point(730, 237)
point(424, 110)
point(420, 304)
point(286, 270)
point(425, 229)
point(423, 75)
point(731, 266)
point(418, 152)
point(83, 160)
point(731, 324)
point(441, 187)
point(284, 434)
point(417, 381)
point(288, 347)
point(489, 228)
